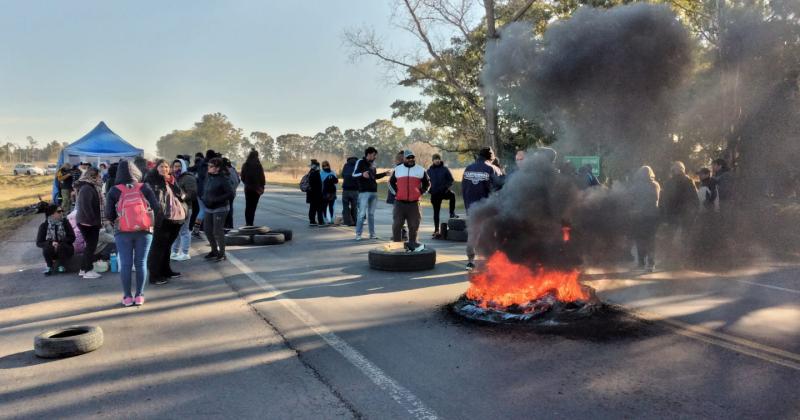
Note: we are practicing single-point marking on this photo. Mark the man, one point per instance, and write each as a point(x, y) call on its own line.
point(64, 176)
point(479, 180)
point(349, 192)
point(390, 195)
point(679, 200)
point(724, 179)
point(367, 176)
point(441, 182)
point(409, 181)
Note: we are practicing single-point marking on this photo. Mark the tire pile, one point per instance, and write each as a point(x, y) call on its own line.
point(257, 235)
point(455, 230)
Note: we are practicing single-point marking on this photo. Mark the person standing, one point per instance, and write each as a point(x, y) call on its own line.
point(55, 237)
point(202, 173)
point(329, 181)
point(233, 178)
point(314, 195)
point(391, 194)
point(168, 220)
point(367, 175)
point(480, 179)
point(409, 182)
point(65, 181)
point(131, 204)
point(679, 202)
point(217, 193)
point(188, 184)
point(89, 217)
point(349, 192)
point(645, 194)
point(254, 183)
point(441, 184)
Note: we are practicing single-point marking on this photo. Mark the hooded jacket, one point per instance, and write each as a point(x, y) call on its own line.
point(479, 180)
point(441, 179)
point(252, 175)
point(349, 183)
point(645, 194)
point(217, 191)
point(187, 183)
point(127, 174)
point(87, 203)
point(679, 197)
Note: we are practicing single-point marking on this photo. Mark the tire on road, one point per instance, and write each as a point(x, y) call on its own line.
point(457, 224)
point(457, 235)
point(383, 260)
point(253, 230)
point(287, 233)
point(271, 238)
point(66, 342)
point(238, 240)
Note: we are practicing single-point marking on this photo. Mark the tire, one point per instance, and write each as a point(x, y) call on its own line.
point(66, 342)
point(269, 239)
point(238, 240)
point(457, 224)
point(380, 259)
point(287, 233)
point(457, 235)
point(253, 230)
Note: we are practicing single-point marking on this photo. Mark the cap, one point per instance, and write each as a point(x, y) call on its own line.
point(408, 153)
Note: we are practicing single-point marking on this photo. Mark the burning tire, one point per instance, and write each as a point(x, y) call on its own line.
point(457, 235)
point(253, 230)
point(269, 239)
point(287, 233)
point(66, 342)
point(238, 240)
point(380, 259)
point(457, 224)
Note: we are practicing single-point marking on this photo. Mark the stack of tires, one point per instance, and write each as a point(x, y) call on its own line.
point(257, 235)
point(456, 230)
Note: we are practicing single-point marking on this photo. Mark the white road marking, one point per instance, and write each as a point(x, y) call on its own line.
point(398, 392)
point(770, 286)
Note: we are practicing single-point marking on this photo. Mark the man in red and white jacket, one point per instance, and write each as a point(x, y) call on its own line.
point(408, 182)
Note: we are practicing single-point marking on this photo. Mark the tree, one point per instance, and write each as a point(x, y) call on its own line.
point(32, 155)
point(213, 131)
point(264, 144)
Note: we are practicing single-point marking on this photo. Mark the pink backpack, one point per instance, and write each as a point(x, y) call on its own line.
point(133, 211)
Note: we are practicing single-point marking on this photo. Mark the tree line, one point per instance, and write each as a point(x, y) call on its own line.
point(31, 152)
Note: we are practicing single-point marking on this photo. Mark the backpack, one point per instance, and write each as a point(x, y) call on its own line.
point(177, 213)
point(133, 211)
point(305, 186)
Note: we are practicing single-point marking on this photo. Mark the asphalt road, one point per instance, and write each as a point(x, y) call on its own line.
point(307, 329)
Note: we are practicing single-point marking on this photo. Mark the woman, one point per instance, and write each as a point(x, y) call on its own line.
point(645, 193)
point(168, 221)
point(314, 195)
point(133, 245)
point(90, 204)
point(230, 172)
point(329, 181)
point(188, 184)
point(254, 183)
point(55, 237)
point(217, 194)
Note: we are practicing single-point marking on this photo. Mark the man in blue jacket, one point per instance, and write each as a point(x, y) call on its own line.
point(441, 182)
point(480, 179)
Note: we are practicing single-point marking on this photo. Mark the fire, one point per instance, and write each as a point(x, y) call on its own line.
point(504, 283)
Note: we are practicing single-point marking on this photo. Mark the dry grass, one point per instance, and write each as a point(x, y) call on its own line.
point(18, 192)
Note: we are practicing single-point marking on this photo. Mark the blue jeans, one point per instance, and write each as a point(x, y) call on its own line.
point(367, 202)
point(132, 249)
point(184, 240)
point(202, 213)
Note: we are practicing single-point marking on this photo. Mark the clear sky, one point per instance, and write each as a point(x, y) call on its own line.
point(148, 67)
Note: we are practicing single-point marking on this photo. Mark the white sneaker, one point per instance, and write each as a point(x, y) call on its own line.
point(81, 273)
point(358, 237)
point(182, 257)
point(91, 274)
point(174, 256)
point(420, 248)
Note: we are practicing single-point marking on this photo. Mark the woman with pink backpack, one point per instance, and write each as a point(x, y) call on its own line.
point(130, 205)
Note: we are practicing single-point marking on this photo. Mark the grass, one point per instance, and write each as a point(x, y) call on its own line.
point(19, 192)
point(285, 179)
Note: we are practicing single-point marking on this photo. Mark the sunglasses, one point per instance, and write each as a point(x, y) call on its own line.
point(59, 211)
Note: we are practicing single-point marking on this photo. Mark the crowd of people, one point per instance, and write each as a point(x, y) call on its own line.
point(143, 215)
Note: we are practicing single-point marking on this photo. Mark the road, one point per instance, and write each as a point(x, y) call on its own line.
point(307, 330)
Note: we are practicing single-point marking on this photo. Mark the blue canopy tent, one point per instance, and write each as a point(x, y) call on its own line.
point(99, 145)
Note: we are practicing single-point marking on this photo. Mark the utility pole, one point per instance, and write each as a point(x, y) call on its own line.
point(490, 97)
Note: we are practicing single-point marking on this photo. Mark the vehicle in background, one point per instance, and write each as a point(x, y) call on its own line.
point(27, 169)
point(51, 169)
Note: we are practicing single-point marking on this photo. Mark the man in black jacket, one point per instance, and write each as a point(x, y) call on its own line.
point(368, 177)
point(349, 192)
point(441, 182)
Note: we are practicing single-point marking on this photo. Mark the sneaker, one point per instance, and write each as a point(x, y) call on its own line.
point(173, 256)
point(211, 255)
point(374, 237)
point(48, 271)
point(470, 266)
point(182, 257)
point(127, 301)
point(436, 235)
point(81, 273)
point(173, 275)
point(138, 300)
point(419, 248)
point(61, 269)
point(313, 225)
point(358, 237)
point(91, 274)
point(221, 257)
point(454, 216)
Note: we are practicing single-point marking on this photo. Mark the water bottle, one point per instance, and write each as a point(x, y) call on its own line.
point(114, 263)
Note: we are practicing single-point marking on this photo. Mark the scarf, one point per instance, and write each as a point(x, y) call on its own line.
point(55, 230)
point(97, 183)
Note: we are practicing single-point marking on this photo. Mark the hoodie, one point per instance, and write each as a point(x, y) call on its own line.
point(349, 183)
point(187, 182)
point(127, 174)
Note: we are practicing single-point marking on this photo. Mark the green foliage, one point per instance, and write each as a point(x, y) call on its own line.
point(213, 131)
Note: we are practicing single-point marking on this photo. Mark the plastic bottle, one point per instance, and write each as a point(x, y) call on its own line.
point(114, 263)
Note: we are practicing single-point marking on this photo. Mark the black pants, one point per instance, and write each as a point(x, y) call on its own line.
point(90, 236)
point(316, 208)
point(195, 212)
point(62, 254)
point(158, 259)
point(251, 203)
point(213, 227)
point(436, 201)
point(406, 212)
point(644, 236)
point(229, 217)
point(349, 207)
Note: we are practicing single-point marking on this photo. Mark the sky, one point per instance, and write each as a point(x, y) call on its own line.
point(149, 67)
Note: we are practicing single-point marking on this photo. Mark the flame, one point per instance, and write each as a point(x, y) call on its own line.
point(504, 283)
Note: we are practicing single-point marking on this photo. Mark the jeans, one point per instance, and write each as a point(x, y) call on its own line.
point(214, 227)
point(367, 202)
point(250, 204)
point(349, 207)
point(184, 240)
point(132, 249)
point(406, 212)
point(436, 201)
point(202, 213)
point(90, 236)
point(158, 260)
point(329, 210)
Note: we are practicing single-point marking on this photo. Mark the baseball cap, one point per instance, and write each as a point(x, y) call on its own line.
point(408, 153)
